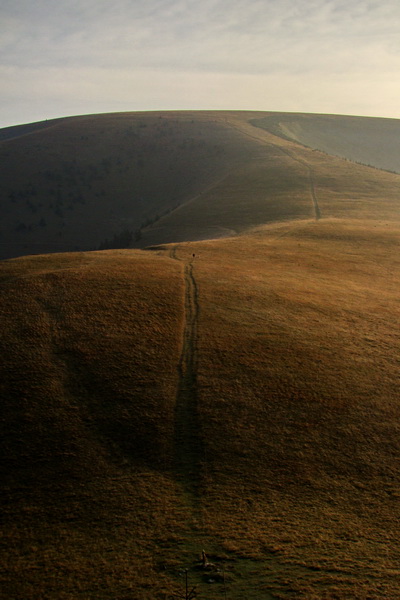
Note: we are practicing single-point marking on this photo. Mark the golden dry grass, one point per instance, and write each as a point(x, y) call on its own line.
point(274, 180)
point(295, 389)
point(298, 373)
point(89, 345)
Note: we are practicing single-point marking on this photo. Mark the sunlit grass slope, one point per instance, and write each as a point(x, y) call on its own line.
point(284, 182)
point(283, 342)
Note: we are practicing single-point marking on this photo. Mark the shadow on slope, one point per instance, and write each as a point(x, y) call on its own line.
point(82, 182)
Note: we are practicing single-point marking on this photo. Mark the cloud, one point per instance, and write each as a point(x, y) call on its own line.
point(213, 34)
point(297, 41)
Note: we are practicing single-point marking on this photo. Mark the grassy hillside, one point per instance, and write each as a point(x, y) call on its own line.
point(137, 179)
point(81, 182)
point(238, 396)
point(283, 181)
point(90, 344)
point(369, 140)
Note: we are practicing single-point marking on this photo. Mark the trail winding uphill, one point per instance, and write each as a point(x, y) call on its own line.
point(267, 139)
point(188, 445)
point(314, 198)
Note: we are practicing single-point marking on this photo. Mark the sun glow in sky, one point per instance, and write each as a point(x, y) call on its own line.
point(88, 56)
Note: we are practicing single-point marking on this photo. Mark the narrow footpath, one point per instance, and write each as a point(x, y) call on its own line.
point(259, 137)
point(188, 444)
point(317, 211)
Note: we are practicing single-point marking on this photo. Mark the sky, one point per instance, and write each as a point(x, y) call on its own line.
point(72, 57)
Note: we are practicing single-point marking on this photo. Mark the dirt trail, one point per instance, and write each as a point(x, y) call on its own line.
point(317, 211)
point(188, 444)
point(260, 137)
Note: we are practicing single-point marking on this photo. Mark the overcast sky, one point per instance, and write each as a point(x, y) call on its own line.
point(69, 57)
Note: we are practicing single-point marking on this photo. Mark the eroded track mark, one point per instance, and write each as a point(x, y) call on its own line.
point(188, 444)
point(317, 211)
point(259, 137)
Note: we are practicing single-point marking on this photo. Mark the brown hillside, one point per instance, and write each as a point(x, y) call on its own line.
point(238, 396)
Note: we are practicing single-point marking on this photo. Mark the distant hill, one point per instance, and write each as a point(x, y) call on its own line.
point(133, 179)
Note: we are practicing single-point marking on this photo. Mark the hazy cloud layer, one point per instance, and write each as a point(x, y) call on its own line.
point(80, 56)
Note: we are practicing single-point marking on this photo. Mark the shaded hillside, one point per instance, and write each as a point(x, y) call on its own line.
point(81, 182)
point(369, 140)
point(137, 179)
point(238, 396)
